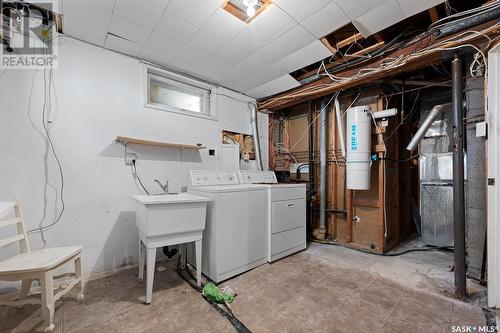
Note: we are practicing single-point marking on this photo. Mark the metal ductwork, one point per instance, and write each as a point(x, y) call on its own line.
point(255, 133)
point(435, 112)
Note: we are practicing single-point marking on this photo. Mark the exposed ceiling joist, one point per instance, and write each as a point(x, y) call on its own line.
point(325, 86)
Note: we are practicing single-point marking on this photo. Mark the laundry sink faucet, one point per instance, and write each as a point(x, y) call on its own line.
point(163, 187)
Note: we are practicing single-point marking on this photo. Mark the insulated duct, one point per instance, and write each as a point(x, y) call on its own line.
point(435, 112)
point(320, 233)
point(255, 133)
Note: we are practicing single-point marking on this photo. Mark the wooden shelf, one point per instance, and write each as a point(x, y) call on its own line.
point(125, 140)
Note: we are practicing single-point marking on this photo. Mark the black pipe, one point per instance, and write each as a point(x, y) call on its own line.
point(333, 211)
point(458, 178)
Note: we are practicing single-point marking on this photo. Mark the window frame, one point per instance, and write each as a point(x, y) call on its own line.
point(182, 84)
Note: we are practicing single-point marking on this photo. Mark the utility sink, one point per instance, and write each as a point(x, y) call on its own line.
point(163, 215)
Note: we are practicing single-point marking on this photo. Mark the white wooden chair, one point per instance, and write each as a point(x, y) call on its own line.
point(38, 265)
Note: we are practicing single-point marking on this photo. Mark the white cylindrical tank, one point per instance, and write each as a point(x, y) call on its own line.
point(358, 159)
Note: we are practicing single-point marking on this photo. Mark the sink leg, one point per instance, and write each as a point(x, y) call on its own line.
point(142, 254)
point(151, 258)
point(198, 262)
point(183, 254)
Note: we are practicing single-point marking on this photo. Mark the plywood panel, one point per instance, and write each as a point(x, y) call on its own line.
point(297, 128)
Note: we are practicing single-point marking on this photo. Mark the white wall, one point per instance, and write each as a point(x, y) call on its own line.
point(493, 119)
point(98, 95)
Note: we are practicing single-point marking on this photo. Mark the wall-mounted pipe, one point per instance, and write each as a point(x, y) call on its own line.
point(458, 179)
point(310, 192)
point(340, 126)
point(320, 233)
point(255, 133)
point(435, 112)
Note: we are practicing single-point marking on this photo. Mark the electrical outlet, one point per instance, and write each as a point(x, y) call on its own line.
point(129, 158)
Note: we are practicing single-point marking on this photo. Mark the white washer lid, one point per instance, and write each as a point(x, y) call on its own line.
point(286, 185)
point(228, 188)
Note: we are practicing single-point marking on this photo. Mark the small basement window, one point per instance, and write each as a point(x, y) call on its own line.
point(172, 92)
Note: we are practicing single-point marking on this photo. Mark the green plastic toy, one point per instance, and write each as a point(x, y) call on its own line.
point(212, 292)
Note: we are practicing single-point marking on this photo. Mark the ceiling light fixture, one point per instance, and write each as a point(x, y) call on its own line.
point(250, 11)
point(250, 4)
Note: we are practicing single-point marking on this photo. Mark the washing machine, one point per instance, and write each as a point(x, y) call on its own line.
point(286, 213)
point(234, 239)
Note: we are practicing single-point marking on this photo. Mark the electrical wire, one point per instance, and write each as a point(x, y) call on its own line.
point(393, 254)
point(188, 277)
point(412, 110)
point(314, 120)
point(136, 176)
point(473, 11)
point(47, 105)
point(458, 41)
point(403, 160)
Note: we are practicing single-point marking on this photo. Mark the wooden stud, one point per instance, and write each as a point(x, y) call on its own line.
point(328, 45)
point(350, 40)
point(325, 86)
point(433, 13)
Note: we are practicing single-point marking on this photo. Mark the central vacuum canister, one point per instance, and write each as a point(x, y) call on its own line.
point(358, 158)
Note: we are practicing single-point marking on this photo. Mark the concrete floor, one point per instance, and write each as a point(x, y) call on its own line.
point(323, 289)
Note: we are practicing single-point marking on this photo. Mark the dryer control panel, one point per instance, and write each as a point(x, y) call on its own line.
point(213, 177)
point(257, 177)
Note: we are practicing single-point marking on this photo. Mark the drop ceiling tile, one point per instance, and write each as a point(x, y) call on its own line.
point(379, 18)
point(249, 66)
point(155, 56)
point(303, 57)
point(412, 7)
point(107, 5)
point(158, 3)
point(224, 25)
point(245, 83)
point(193, 11)
point(206, 43)
point(191, 56)
point(250, 40)
point(291, 41)
point(175, 28)
point(129, 30)
point(300, 10)
point(272, 22)
point(271, 52)
point(167, 46)
point(275, 86)
point(143, 12)
point(215, 65)
point(356, 8)
point(80, 30)
point(122, 45)
point(254, 63)
point(231, 55)
point(194, 71)
point(80, 10)
point(326, 20)
point(294, 39)
point(217, 3)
